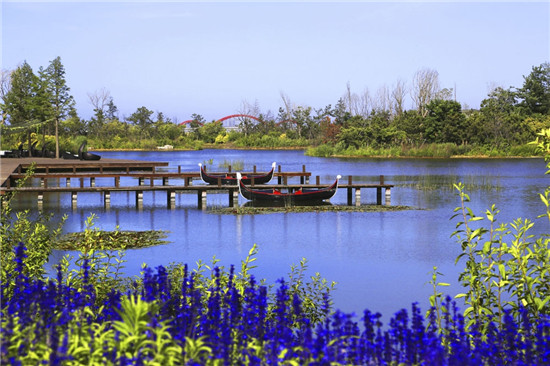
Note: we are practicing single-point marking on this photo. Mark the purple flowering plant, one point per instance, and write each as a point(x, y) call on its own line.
point(48, 321)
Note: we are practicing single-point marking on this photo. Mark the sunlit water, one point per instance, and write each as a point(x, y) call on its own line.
point(380, 260)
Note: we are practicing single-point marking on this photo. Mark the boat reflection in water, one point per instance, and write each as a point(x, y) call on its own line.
point(267, 204)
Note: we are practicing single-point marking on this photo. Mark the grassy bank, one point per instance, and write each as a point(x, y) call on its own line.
point(424, 151)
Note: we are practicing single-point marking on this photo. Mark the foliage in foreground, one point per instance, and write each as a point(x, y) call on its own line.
point(48, 321)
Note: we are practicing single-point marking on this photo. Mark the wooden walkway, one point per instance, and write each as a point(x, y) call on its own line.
point(52, 172)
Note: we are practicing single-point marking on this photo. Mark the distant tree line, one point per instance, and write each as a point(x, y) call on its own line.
point(38, 107)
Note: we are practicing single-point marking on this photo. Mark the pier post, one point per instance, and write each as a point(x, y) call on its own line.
point(233, 197)
point(388, 196)
point(68, 182)
point(350, 194)
point(201, 199)
point(73, 199)
point(279, 179)
point(107, 199)
point(140, 181)
point(171, 198)
point(357, 196)
point(92, 182)
point(40, 199)
point(379, 191)
point(236, 198)
point(41, 182)
point(164, 181)
point(139, 199)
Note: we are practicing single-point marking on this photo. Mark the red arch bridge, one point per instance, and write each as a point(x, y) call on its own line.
point(233, 121)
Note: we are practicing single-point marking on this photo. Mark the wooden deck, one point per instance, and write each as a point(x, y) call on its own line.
point(52, 172)
point(9, 166)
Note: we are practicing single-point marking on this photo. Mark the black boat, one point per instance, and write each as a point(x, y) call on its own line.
point(230, 179)
point(81, 155)
point(300, 195)
point(85, 155)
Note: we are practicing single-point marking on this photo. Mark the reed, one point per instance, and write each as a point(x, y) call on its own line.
point(236, 165)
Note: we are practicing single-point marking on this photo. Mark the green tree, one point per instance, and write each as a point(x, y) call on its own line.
point(501, 119)
point(60, 100)
point(209, 131)
point(535, 93)
point(196, 121)
point(305, 124)
point(142, 119)
point(412, 124)
point(21, 102)
point(445, 122)
point(340, 113)
point(73, 125)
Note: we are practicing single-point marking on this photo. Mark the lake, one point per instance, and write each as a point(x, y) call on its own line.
point(380, 260)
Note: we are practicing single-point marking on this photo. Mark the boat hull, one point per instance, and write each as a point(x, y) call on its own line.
point(230, 180)
point(300, 196)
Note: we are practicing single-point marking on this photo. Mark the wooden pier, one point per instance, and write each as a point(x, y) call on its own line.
point(86, 173)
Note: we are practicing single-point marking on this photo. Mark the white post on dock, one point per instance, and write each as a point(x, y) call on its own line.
point(73, 199)
point(140, 181)
point(92, 182)
point(107, 199)
point(201, 199)
point(233, 198)
point(171, 199)
point(357, 196)
point(68, 182)
point(40, 199)
point(388, 196)
point(139, 199)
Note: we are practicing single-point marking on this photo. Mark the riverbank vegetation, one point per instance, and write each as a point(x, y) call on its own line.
point(89, 313)
point(38, 108)
point(243, 210)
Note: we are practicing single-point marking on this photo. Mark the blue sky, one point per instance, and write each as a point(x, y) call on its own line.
point(183, 57)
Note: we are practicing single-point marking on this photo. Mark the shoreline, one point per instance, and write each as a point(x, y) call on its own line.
point(332, 156)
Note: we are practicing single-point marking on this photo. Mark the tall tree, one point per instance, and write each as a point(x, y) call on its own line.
point(142, 118)
point(21, 102)
point(445, 122)
point(246, 125)
point(398, 97)
point(5, 85)
point(535, 93)
point(58, 94)
point(501, 118)
point(425, 88)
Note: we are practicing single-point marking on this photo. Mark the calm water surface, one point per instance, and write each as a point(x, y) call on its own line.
point(380, 260)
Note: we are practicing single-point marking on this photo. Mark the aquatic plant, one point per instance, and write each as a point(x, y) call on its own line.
point(235, 165)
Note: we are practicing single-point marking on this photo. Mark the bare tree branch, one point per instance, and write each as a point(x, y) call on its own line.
point(425, 88)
